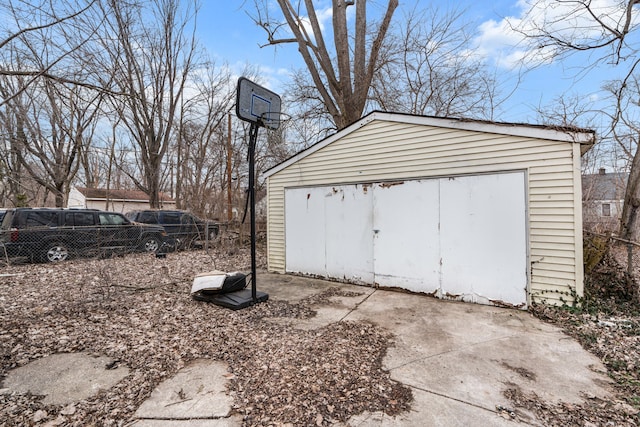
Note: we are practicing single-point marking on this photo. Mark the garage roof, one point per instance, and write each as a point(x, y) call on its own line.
point(585, 137)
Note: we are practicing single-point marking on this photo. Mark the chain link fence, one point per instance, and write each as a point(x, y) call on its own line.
point(55, 235)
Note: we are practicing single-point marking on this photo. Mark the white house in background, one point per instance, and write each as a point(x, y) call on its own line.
point(603, 198)
point(460, 209)
point(114, 200)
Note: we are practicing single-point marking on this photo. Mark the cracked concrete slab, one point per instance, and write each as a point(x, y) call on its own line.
point(65, 377)
point(457, 358)
point(434, 411)
point(324, 316)
point(292, 289)
point(197, 391)
point(472, 353)
point(219, 422)
point(296, 288)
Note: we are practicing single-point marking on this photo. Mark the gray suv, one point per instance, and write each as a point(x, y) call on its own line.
point(52, 235)
point(184, 229)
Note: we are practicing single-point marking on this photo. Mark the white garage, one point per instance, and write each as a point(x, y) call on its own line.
point(475, 211)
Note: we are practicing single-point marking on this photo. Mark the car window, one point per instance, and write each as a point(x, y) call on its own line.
point(42, 219)
point(188, 219)
point(7, 218)
point(171, 218)
point(79, 219)
point(148, 217)
point(111, 219)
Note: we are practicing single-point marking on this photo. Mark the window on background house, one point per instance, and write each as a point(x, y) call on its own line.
point(606, 209)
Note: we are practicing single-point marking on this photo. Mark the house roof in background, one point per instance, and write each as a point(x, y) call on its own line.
point(604, 186)
point(115, 194)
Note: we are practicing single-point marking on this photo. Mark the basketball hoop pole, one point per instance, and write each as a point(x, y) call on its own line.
point(257, 105)
point(253, 135)
point(254, 104)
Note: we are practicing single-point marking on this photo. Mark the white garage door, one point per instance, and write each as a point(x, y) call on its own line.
point(460, 237)
point(406, 235)
point(329, 231)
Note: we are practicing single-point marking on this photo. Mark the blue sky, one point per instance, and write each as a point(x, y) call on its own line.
point(231, 36)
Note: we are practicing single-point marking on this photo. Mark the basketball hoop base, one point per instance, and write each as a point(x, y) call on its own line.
point(235, 300)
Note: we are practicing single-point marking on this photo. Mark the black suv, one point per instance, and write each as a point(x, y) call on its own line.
point(184, 229)
point(50, 234)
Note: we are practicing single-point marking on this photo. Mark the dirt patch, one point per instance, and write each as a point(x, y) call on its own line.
point(523, 372)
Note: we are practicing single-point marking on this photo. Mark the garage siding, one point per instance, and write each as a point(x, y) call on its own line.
point(386, 150)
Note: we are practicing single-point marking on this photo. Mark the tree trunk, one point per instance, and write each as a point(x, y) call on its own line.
point(343, 92)
point(628, 222)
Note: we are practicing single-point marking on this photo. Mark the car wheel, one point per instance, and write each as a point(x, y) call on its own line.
point(178, 242)
point(151, 244)
point(55, 252)
point(189, 243)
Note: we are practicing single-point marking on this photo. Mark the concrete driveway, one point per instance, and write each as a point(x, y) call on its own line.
point(457, 358)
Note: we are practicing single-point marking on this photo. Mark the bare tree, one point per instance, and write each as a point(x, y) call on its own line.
point(342, 72)
point(558, 28)
point(201, 141)
point(430, 68)
point(152, 51)
point(11, 168)
point(53, 124)
point(57, 27)
point(626, 133)
point(304, 103)
point(49, 89)
point(569, 111)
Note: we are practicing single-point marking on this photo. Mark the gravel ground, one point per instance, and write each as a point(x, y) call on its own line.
point(137, 310)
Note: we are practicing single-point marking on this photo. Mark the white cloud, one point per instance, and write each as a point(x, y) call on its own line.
point(323, 16)
point(283, 72)
point(499, 42)
point(504, 41)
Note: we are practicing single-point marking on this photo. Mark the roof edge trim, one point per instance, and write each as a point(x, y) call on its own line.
point(320, 144)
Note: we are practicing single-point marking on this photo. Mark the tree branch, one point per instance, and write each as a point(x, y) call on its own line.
point(58, 79)
point(42, 27)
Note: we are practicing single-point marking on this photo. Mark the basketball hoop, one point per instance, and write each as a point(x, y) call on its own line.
point(257, 104)
point(260, 107)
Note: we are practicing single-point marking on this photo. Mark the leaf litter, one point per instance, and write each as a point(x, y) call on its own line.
point(137, 310)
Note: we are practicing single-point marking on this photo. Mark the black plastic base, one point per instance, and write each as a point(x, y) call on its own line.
point(234, 300)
